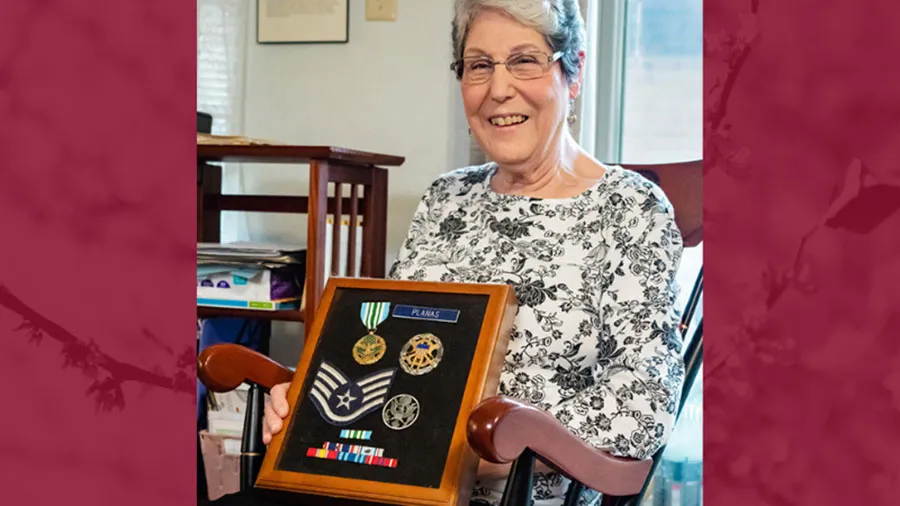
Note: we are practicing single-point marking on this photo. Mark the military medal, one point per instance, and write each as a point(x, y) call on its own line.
point(400, 412)
point(370, 348)
point(421, 354)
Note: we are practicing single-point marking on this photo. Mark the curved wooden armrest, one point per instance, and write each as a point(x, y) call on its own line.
point(500, 428)
point(223, 367)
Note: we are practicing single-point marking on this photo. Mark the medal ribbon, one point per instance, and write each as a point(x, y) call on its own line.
point(373, 313)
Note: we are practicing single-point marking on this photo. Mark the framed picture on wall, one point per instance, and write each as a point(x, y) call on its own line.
point(302, 21)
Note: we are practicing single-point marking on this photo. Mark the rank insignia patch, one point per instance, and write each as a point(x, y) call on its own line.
point(341, 401)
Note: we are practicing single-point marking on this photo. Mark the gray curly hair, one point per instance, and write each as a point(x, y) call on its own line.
point(559, 21)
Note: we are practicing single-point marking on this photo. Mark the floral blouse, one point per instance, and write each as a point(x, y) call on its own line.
point(595, 341)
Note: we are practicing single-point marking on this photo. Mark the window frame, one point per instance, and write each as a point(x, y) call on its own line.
point(611, 27)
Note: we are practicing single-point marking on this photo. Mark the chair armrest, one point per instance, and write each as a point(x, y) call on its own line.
point(682, 182)
point(500, 428)
point(223, 367)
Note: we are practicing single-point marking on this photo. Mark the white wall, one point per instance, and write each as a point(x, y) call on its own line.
point(388, 90)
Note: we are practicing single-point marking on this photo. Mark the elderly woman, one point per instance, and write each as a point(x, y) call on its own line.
point(591, 250)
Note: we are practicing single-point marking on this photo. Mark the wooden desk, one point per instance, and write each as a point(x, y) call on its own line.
point(335, 166)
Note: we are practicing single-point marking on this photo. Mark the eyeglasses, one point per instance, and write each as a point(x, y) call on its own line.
point(523, 66)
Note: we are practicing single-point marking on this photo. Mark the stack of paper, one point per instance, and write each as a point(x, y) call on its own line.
point(225, 414)
point(250, 275)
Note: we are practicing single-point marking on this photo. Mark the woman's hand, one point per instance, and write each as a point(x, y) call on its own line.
point(276, 410)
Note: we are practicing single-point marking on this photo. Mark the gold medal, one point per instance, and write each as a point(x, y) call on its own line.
point(421, 354)
point(369, 349)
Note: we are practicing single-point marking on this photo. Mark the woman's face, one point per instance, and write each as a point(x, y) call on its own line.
point(542, 102)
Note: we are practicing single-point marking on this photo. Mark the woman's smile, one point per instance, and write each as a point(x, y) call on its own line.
point(506, 121)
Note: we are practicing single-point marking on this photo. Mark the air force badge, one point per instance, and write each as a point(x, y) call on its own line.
point(341, 401)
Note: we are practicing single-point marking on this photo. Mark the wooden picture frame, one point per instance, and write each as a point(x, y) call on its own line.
point(302, 22)
point(428, 463)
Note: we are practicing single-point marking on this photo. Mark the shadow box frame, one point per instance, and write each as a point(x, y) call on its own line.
point(461, 463)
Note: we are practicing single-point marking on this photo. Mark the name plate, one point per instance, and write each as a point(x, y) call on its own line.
point(426, 313)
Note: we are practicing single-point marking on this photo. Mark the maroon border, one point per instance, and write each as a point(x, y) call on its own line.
point(97, 314)
point(802, 185)
point(96, 206)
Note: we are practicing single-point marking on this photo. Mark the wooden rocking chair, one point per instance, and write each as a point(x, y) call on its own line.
point(501, 429)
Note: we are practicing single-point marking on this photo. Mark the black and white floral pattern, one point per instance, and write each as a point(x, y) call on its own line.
point(596, 339)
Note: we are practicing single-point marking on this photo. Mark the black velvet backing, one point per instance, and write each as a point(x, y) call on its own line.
point(422, 448)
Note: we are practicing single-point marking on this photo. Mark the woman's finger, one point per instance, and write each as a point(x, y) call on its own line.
point(278, 394)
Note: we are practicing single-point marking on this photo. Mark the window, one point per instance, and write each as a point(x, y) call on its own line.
point(662, 116)
point(662, 121)
point(649, 109)
point(221, 58)
point(221, 51)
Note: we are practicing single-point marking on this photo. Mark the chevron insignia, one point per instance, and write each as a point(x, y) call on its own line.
point(341, 401)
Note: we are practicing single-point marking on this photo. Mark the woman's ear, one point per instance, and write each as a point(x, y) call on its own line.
point(575, 87)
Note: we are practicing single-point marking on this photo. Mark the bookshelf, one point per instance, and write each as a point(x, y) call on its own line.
point(363, 174)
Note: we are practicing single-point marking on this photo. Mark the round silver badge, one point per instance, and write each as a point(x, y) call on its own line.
point(400, 412)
